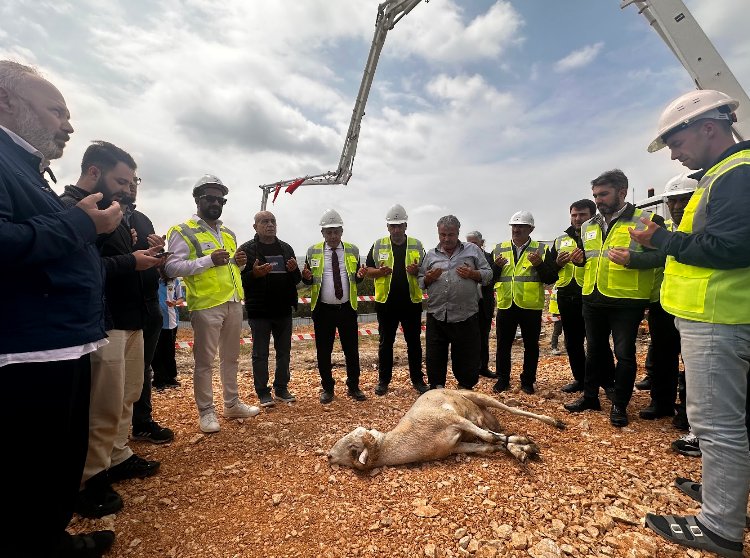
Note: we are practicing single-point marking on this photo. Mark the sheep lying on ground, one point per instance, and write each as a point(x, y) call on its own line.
point(440, 423)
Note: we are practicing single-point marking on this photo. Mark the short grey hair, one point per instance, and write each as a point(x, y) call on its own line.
point(449, 221)
point(12, 73)
point(475, 234)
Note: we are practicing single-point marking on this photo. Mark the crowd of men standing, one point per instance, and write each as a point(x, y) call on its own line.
point(86, 271)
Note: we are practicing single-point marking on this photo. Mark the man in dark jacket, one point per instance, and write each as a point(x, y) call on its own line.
point(52, 319)
point(270, 285)
point(486, 311)
point(117, 368)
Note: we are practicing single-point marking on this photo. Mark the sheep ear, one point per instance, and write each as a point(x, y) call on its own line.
point(363, 457)
point(368, 440)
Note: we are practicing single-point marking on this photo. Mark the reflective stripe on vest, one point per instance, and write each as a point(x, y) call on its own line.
point(382, 253)
point(718, 296)
point(215, 285)
point(613, 280)
point(566, 243)
point(316, 259)
point(519, 282)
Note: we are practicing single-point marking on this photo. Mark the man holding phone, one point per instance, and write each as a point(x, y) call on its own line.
point(394, 263)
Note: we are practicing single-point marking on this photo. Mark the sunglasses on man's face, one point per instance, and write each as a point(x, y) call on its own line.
point(213, 199)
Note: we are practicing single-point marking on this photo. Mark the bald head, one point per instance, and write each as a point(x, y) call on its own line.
point(33, 108)
point(265, 226)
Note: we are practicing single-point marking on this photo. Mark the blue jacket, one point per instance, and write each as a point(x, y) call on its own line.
point(51, 275)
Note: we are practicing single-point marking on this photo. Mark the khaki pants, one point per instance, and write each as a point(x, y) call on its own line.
point(116, 383)
point(218, 328)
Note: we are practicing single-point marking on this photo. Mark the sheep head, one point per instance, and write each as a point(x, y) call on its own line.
point(359, 450)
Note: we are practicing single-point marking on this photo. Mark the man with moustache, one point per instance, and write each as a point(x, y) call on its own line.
point(117, 368)
point(52, 320)
point(205, 255)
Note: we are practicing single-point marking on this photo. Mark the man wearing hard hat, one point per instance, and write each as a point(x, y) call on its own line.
point(205, 255)
point(522, 267)
point(332, 268)
point(393, 261)
point(706, 287)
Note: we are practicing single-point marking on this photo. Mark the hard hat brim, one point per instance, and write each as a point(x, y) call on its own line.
point(197, 189)
point(396, 221)
point(687, 119)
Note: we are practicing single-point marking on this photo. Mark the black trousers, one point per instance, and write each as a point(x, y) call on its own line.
point(574, 329)
point(263, 329)
point(531, 327)
point(622, 323)
point(164, 363)
point(151, 332)
point(485, 316)
point(463, 340)
point(665, 356)
point(327, 318)
point(409, 315)
point(45, 449)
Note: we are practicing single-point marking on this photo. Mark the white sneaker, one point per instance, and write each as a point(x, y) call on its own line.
point(241, 410)
point(555, 352)
point(209, 424)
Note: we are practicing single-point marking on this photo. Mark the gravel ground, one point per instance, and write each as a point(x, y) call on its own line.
point(262, 487)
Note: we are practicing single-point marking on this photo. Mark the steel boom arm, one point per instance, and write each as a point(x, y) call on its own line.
point(390, 13)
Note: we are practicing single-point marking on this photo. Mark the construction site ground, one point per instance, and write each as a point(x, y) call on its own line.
point(263, 488)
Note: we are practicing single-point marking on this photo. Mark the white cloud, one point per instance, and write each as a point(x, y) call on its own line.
point(578, 58)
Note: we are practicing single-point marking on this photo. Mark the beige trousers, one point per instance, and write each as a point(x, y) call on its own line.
point(218, 328)
point(116, 383)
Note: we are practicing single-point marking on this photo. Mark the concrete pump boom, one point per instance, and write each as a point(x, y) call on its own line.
point(390, 13)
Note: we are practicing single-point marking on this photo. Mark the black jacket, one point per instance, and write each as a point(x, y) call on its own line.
point(256, 287)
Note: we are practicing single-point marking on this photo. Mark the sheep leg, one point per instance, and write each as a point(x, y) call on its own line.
point(519, 447)
point(486, 401)
point(473, 447)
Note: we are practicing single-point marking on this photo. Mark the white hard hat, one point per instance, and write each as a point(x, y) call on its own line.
point(688, 108)
point(522, 218)
point(209, 180)
point(679, 185)
point(396, 215)
point(330, 219)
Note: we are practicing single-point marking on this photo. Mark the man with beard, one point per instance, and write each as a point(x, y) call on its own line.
point(52, 319)
point(206, 257)
point(117, 368)
point(614, 297)
point(565, 249)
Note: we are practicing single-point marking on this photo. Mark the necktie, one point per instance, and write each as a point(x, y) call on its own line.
point(338, 289)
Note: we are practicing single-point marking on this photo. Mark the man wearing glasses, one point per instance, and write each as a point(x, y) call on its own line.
point(205, 255)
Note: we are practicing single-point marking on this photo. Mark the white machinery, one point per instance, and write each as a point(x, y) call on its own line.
point(390, 13)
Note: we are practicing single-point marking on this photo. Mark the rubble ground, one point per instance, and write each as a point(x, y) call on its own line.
point(263, 487)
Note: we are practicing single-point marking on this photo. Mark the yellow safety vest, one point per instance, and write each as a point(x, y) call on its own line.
point(553, 307)
point(659, 271)
point(566, 243)
point(215, 285)
point(519, 282)
point(316, 260)
point(613, 280)
point(717, 296)
point(382, 252)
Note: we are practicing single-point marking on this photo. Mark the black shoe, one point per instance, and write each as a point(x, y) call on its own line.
point(265, 400)
point(583, 403)
point(618, 416)
point(285, 395)
point(437, 386)
point(487, 373)
point(653, 412)
point(166, 384)
point(98, 498)
point(326, 397)
point(500, 386)
point(680, 420)
point(133, 467)
point(381, 389)
point(467, 388)
point(356, 394)
point(644, 384)
point(527, 388)
point(86, 545)
point(152, 432)
point(572, 387)
point(421, 387)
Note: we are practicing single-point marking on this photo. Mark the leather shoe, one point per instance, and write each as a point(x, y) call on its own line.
point(644, 384)
point(133, 467)
point(500, 386)
point(356, 394)
point(618, 416)
point(583, 403)
point(572, 387)
point(326, 397)
point(527, 388)
point(98, 499)
point(421, 387)
point(487, 373)
point(653, 412)
point(381, 389)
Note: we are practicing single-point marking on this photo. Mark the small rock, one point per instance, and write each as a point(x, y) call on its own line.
point(486, 551)
point(426, 511)
point(557, 528)
point(503, 531)
point(460, 533)
point(165, 501)
point(618, 514)
point(464, 542)
point(473, 546)
point(546, 548)
point(694, 553)
point(276, 499)
point(567, 549)
point(134, 543)
point(519, 541)
point(430, 551)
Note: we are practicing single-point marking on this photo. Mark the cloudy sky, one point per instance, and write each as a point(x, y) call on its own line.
point(479, 107)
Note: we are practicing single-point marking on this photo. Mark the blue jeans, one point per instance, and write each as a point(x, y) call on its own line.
point(717, 360)
point(262, 329)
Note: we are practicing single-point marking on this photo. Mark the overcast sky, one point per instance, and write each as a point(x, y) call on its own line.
point(479, 108)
